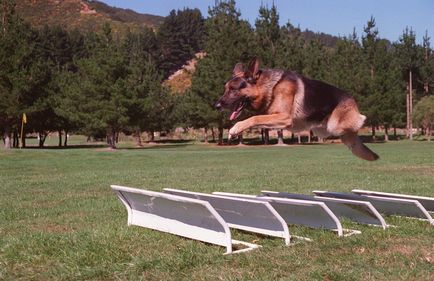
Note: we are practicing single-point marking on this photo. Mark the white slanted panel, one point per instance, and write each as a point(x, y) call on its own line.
point(299, 212)
point(357, 211)
point(386, 205)
point(182, 216)
point(427, 202)
point(244, 214)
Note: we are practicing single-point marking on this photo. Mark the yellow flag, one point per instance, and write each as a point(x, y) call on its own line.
point(24, 118)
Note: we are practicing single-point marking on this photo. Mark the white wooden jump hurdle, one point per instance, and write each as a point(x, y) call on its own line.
point(358, 211)
point(244, 214)
point(386, 205)
point(427, 202)
point(300, 212)
point(187, 217)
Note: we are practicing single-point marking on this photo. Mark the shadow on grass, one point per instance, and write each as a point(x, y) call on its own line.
point(74, 146)
point(156, 146)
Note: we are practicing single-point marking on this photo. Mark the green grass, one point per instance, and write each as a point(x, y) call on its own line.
point(59, 220)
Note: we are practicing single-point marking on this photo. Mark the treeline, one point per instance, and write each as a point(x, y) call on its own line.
point(100, 84)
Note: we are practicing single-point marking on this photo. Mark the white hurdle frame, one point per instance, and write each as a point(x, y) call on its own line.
point(386, 205)
point(186, 217)
point(294, 212)
point(358, 211)
point(427, 202)
point(244, 214)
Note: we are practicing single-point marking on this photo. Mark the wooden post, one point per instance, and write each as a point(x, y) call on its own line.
point(407, 126)
point(410, 107)
point(23, 121)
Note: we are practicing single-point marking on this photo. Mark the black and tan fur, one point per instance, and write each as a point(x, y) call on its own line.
point(286, 100)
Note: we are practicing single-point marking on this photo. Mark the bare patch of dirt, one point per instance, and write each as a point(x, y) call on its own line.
point(428, 255)
point(51, 228)
point(106, 149)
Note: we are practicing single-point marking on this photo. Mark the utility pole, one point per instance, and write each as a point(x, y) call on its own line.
point(410, 106)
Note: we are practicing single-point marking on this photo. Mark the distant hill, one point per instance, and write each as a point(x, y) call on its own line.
point(85, 15)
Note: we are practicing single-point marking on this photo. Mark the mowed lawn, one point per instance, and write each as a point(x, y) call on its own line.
point(59, 219)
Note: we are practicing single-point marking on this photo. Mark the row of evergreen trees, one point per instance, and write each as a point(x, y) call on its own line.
point(100, 84)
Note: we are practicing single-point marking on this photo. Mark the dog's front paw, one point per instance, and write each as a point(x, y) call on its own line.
point(234, 131)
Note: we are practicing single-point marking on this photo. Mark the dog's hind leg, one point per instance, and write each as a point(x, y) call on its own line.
point(354, 143)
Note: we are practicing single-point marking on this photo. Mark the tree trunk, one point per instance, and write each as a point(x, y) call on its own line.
point(373, 132)
point(42, 137)
point(386, 133)
point(15, 139)
point(111, 138)
point(60, 138)
point(220, 136)
point(205, 135)
point(394, 133)
point(266, 136)
point(280, 137)
point(428, 133)
point(65, 142)
point(213, 134)
point(240, 139)
point(151, 133)
point(139, 138)
point(18, 139)
point(7, 138)
point(309, 137)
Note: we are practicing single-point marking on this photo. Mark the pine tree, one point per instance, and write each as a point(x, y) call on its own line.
point(290, 49)
point(383, 90)
point(143, 81)
point(345, 66)
point(315, 60)
point(16, 60)
point(409, 60)
point(229, 40)
point(268, 35)
point(104, 92)
point(180, 36)
point(427, 65)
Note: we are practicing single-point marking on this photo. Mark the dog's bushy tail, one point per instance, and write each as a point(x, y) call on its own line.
point(354, 143)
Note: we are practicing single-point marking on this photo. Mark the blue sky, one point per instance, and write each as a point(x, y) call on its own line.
point(336, 17)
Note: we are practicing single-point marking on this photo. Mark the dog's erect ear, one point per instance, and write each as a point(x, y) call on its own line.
point(253, 70)
point(238, 70)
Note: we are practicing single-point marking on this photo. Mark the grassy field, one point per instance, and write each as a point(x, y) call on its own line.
point(59, 220)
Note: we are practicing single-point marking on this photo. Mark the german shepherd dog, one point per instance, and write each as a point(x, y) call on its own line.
point(286, 100)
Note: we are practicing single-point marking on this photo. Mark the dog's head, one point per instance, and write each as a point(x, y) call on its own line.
point(240, 89)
